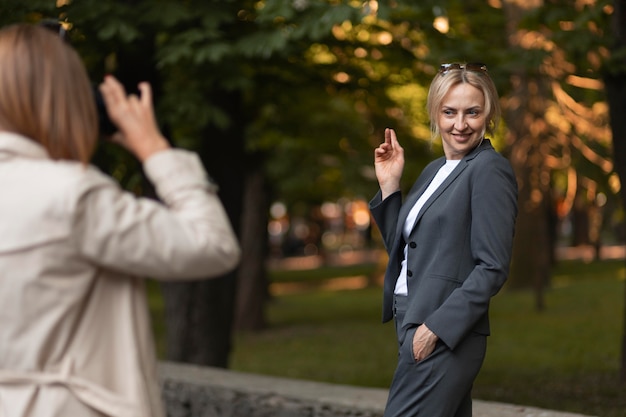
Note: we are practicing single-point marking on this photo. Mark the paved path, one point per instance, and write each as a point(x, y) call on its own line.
point(287, 396)
point(492, 409)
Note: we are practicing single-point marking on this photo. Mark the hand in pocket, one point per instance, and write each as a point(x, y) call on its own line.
point(424, 341)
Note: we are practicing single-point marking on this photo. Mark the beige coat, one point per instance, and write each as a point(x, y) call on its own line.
point(75, 336)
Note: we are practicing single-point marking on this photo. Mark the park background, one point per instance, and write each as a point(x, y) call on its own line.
point(285, 100)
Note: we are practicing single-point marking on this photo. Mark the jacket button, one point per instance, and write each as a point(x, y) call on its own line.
point(412, 245)
point(409, 273)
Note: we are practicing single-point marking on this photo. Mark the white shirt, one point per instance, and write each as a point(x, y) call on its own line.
point(442, 174)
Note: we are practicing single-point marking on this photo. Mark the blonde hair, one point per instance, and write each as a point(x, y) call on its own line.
point(444, 81)
point(45, 93)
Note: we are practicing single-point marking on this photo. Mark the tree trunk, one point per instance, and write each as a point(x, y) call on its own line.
point(524, 111)
point(622, 372)
point(199, 315)
point(615, 85)
point(252, 285)
point(532, 249)
point(616, 97)
point(580, 219)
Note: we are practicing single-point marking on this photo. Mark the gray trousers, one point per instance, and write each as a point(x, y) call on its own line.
point(441, 384)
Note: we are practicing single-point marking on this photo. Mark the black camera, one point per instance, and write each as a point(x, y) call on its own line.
point(107, 128)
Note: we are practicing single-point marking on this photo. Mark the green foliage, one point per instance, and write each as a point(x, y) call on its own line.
point(318, 79)
point(13, 11)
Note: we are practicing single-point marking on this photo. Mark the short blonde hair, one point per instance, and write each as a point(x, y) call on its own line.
point(445, 80)
point(45, 93)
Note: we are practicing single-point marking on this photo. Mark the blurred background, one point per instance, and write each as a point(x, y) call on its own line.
point(285, 101)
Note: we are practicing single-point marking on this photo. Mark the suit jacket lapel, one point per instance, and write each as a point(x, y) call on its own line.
point(453, 175)
point(414, 194)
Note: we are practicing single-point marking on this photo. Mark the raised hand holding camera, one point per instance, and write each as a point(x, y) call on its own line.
point(134, 117)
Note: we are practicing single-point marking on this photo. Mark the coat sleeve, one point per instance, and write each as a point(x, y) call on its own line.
point(493, 214)
point(186, 236)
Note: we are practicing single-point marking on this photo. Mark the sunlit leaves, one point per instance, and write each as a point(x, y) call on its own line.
point(578, 28)
point(275, 11)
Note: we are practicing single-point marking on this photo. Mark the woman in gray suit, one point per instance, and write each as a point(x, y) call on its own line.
point(449, 242)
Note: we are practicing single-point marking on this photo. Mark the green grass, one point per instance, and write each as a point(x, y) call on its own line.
point(564, 358)
point(325, 336)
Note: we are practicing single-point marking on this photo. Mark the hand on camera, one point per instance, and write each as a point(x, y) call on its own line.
point(134, 117)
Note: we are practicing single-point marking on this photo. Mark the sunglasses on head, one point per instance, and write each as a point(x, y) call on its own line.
point(56, 27)
point(476, 67)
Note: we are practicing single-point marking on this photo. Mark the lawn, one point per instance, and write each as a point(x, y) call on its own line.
point(564, 358)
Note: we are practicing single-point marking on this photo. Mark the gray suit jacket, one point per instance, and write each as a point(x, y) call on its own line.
point(460, 247)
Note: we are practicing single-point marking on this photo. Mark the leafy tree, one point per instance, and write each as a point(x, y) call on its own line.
point(584, 50)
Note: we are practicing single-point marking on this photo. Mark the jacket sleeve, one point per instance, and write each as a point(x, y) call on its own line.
point(493, 214)
point(385, 214)
point(187, 236)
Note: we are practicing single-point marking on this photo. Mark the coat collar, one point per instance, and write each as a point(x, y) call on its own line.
point(16, 144)
point(483, 145)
